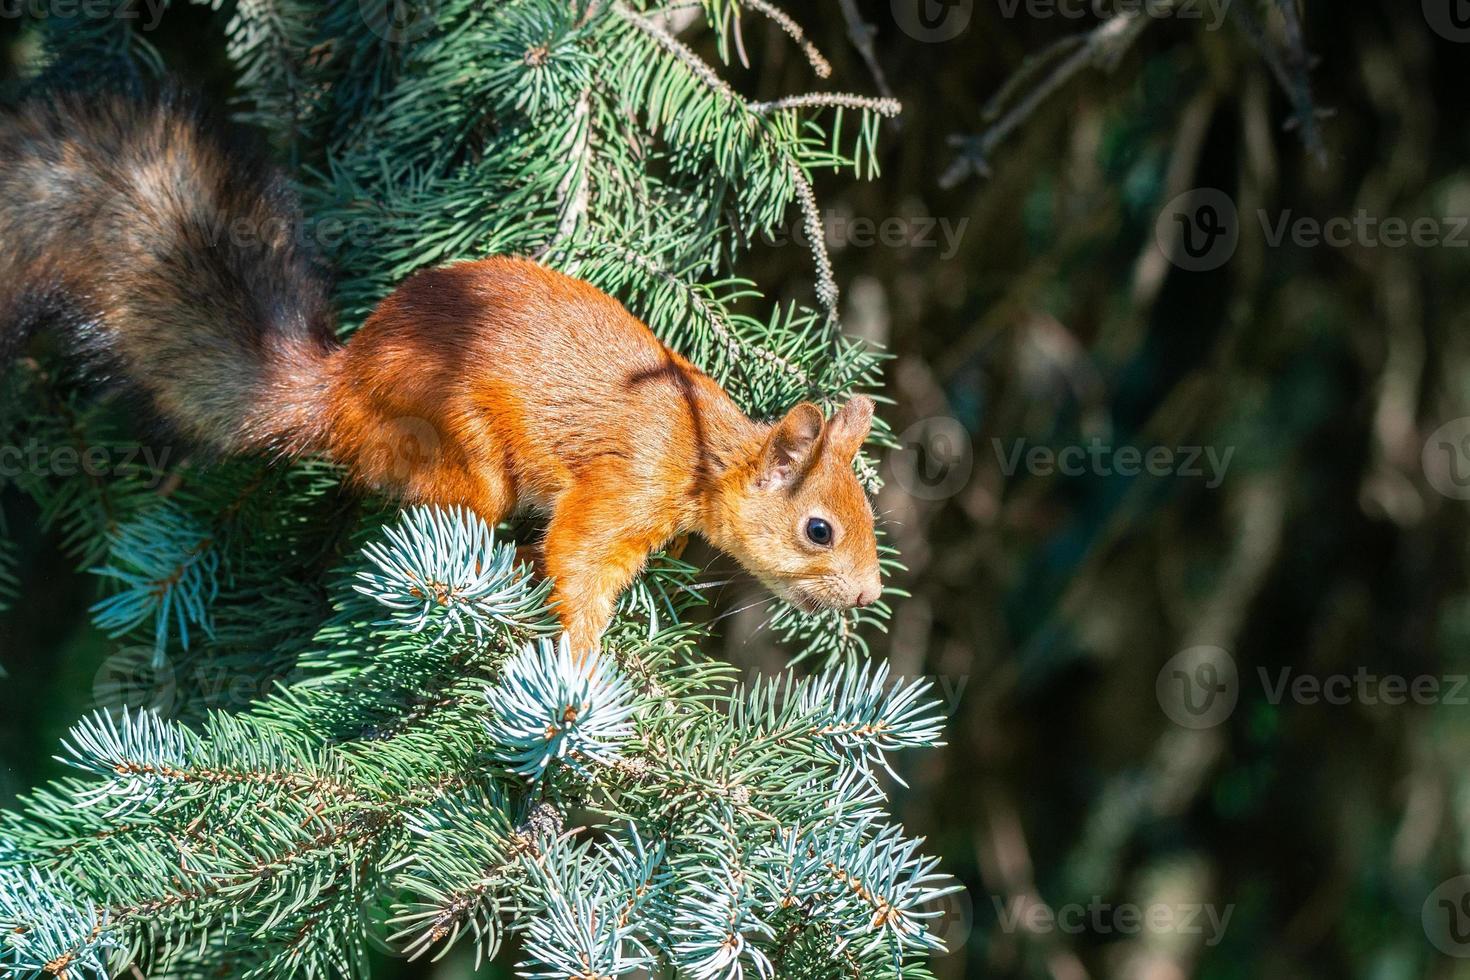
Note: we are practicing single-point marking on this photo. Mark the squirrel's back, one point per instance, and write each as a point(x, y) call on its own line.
point(488, 384)
point(174, 256)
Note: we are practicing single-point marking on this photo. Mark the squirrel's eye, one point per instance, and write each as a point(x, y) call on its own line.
point(818, 531)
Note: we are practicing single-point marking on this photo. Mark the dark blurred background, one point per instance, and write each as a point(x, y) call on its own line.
point(1177, 309)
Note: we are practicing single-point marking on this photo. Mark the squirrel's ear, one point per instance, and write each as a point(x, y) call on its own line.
point(790, 447)
point(849, 427)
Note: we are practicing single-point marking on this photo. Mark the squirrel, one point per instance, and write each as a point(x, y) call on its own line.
point(121, 220)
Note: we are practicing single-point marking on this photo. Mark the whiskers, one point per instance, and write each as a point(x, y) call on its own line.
point(827, 591)
point(810, 595)
point(766, 600)
point(882, 519)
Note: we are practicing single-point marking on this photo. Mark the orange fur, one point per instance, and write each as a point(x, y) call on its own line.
point(490, 384)
point(500, 383)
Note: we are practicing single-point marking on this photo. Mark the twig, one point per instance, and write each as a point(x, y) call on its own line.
point(1293, 73)
point(1030, 69)
point(733, 343)
point(575, 188)
point(793, 30)
point(1101, 47)
point(826, 284)
point(888, 108)
point(860, 33)
point(679, 50)
point(811, 221)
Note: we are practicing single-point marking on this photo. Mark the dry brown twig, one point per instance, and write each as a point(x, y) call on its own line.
point(1102, 47)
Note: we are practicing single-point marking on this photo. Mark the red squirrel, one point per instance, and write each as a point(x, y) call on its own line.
point(172, 254)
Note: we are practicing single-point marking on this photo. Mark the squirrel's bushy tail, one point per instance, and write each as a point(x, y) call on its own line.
point(173, 256)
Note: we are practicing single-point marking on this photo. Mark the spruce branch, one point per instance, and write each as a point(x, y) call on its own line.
point(266, 40)
point(141, 751)
point(461, 876)
point(816, 234)
point(673, 46)
point(884, 880)
point(49, 931)
point(716, 930)
point(169, 569)
point(587, 926)
point(549, 706)
point(575, 190)
point(888, 108)
point(419, 761)
point(793, 30)
point(443, 568)
point(750, 115)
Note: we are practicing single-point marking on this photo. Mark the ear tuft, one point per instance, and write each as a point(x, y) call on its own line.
point(791, 446)
point(850, 426)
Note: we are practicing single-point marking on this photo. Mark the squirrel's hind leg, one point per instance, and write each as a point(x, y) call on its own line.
point(415, 460)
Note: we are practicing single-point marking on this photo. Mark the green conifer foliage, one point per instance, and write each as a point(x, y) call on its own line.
point(430, 767)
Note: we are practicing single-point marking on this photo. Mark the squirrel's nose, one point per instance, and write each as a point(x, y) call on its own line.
point(870, 593)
